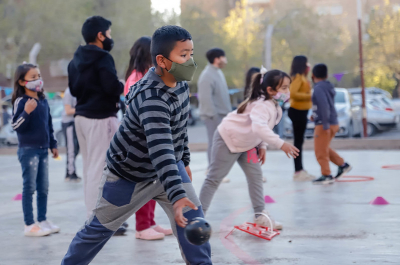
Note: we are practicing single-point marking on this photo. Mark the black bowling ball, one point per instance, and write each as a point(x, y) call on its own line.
point(198, 231)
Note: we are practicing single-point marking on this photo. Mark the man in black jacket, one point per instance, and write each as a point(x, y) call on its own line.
point(93, 81)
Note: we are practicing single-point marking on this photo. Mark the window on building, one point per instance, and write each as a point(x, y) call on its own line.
point(323, 10)
point(258, 1)
point(333, 10)
point(336, 10)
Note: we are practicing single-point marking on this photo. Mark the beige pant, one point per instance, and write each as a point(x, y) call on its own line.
point(94, 136)
point(323, 151)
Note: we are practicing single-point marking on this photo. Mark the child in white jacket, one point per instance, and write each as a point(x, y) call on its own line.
point(245, 129)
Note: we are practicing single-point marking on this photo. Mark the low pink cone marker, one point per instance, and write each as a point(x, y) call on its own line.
point(17, 197)
point(379, 201)
point(268, 199)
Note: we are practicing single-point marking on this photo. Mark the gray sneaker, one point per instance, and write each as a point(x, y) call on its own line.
point(324, 180)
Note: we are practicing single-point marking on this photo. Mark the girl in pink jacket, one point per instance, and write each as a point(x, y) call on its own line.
point(243, 130)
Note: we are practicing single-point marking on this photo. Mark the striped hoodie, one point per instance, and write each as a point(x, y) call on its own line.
point(152, 136)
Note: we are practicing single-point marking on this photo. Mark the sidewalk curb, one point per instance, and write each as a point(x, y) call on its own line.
point(338, 144)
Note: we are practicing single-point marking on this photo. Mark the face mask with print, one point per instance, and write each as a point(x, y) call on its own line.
point(282, 97)
point(35, 85)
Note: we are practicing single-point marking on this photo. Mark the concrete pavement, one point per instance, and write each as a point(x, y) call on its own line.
point(322, 225)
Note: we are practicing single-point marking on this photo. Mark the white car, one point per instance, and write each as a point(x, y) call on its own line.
point(381, 110)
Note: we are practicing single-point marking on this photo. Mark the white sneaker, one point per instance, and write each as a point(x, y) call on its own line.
point(49, 226)
point(262, 220)
point(36, 230)
point(303, 176)
point(226, 180)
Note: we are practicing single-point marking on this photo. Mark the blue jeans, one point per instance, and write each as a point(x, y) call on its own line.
point(34, 163)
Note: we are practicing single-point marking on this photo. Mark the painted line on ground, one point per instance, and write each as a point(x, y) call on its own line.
point(392, 167)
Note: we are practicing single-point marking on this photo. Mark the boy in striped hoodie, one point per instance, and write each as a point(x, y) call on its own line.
point(149, 156)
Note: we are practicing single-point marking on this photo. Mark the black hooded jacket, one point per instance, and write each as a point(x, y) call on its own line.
point(93, 80)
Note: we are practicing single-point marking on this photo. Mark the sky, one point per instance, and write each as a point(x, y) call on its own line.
point(162, 5)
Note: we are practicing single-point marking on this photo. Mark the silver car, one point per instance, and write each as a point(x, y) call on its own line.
point(380, 113)
point(348, 117)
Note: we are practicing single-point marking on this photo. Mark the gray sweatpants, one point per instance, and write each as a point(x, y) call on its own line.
point(94, 137)
point(222, 161)
point(211, 126)
point(118, 200)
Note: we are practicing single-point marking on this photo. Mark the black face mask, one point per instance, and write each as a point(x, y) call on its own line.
point(108, 43)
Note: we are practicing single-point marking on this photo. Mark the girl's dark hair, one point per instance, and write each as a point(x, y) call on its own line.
point(273, 79)
point(20, 74)
point(140, 57)
point(299, 65)
point(249, 77)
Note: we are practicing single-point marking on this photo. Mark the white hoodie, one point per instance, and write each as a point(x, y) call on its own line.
point(253, 127)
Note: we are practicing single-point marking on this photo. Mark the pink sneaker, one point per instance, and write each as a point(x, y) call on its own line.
point(149, 234)
point(164, 231)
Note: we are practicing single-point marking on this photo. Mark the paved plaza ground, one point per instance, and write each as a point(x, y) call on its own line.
point(322, 224)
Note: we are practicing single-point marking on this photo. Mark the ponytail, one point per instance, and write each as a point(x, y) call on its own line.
point(273, 79)
point(254, 93)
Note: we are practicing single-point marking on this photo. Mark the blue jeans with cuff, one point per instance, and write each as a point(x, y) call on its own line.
point(35, 164)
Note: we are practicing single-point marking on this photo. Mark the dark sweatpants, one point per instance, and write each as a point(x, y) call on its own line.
point(72, 145)
point(299, 121)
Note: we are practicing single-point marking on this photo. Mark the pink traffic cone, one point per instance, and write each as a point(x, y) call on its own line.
point(17, 197)
point(268, 199)
point(379, 201)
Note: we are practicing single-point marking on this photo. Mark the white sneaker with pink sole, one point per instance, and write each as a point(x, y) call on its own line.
point(164, 231)
point(149, 234)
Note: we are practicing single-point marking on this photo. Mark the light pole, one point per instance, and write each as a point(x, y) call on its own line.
point(34, 53)
point(268, 39)
point(364, 109)
point(268, 46)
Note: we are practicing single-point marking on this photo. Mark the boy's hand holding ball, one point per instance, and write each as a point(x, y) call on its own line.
point(178, 207)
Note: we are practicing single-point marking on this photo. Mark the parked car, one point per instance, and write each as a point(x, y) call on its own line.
point(348, 117)
point(380, 113)
point(371, 91)
point(9, 136)
point(396, 105)
point(56, 110)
